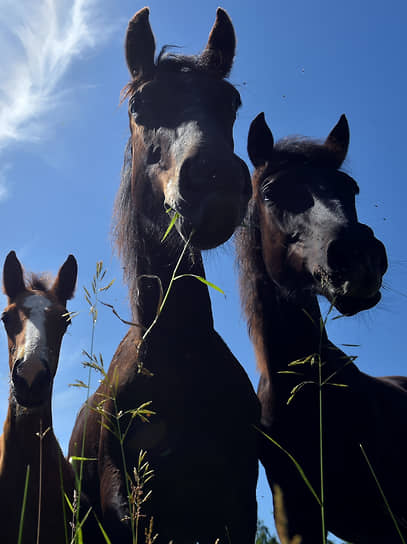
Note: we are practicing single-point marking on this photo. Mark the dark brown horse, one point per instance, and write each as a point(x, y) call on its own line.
point(303, 239)
point(200, 444)
point(35, 321)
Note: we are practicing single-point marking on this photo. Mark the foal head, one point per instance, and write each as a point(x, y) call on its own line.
point(35, 321)
point(182, 112)
point(310, 234)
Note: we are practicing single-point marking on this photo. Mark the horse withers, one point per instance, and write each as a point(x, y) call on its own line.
point(302, 238)
point(200, 441)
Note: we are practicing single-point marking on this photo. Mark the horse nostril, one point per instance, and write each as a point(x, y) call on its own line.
point(198, 175)
point(16, 365)
point(362, 261)
point(41, 381)
point(340, 254)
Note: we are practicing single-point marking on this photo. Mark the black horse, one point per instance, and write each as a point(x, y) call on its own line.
point(302, 238)
point(200, 443)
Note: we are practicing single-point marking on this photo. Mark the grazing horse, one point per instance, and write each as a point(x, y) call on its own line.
point(200, 441)
point(302, 238)
point(35, 321)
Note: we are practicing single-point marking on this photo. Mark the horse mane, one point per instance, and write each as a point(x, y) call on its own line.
point(252, 275)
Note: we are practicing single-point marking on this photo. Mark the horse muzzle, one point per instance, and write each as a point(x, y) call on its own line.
point(353, 274)
point(212, 201)
point(31, 382)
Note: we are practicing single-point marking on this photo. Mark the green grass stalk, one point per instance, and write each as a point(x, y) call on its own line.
point(41, 436)
point(63, 500)
point(97, 278)
point(386, 502)
point(173, 278)
point(24, 504)
point(321, 451)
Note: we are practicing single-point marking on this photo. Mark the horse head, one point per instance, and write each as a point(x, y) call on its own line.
point(181, 112)
point(35, 320)
point(311, 236)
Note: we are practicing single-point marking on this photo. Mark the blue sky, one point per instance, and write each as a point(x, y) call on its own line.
point(62, 136)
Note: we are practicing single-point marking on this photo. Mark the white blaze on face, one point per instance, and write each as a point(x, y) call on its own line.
point(35, 335)
point(330, 214)
point(188, 137)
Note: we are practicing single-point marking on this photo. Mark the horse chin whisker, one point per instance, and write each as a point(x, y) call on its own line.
point(387, 287)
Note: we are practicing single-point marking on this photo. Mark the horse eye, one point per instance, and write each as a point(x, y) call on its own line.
point(132, 107)
point(293, 237)
point(154, 154)
point(267, 191)
point(135, 103)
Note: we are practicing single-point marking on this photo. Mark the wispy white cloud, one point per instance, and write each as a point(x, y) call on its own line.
point(39, 42)
point(4, 184)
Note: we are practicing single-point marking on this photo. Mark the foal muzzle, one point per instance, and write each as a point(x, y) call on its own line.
point(31, 382)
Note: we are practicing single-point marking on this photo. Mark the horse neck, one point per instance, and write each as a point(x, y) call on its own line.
point(290, 329)
point(22, 433)
point(187, 308)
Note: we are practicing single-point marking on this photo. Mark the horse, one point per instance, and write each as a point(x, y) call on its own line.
point(35, 320)
point(200, 444)
point(302, 238)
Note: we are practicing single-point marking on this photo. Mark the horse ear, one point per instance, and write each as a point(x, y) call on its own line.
point(65, 282)
point(260, 141)
point(140, 46)
point(220, 50)
point(13, 276)
point(338, 139)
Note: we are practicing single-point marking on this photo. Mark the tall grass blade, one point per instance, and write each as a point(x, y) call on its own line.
point(106, 538)
point(20, 528)
point(170, 226)
point(382, 494)
point(297, 465)
point(203, 280)
point(61, 480)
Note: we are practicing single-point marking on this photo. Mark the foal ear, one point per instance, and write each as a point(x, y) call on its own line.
point(13, 276)
point(260, 141)
point(338, 139)
point(220, 50)
point(64, 284)
point(140, 46)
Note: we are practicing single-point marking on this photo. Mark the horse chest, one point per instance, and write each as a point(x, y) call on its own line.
point(193, 409)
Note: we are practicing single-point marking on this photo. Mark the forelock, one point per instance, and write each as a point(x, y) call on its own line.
point(298, 151)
